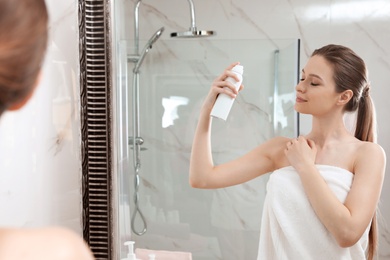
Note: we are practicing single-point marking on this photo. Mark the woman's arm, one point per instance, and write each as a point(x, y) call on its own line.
point(203, 173)
point(363, 198)
point(54, 243)
point(346, 222)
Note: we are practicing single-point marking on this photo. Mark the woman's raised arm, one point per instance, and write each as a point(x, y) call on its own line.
point(203, 173)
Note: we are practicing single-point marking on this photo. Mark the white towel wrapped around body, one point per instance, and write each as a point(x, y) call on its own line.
point(290, 229)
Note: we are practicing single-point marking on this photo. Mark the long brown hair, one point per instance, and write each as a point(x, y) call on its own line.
point(23, 40)
point(350, 73)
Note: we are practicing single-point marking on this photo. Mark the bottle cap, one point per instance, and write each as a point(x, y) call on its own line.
point(238, 68)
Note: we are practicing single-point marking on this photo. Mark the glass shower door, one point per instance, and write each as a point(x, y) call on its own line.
point(211, 224)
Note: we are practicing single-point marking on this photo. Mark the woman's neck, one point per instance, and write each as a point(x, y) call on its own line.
point(328, 130)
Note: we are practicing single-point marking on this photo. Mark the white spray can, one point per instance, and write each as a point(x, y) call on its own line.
point(224, 103)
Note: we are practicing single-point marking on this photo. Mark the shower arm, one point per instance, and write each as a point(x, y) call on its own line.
point(136, 24)
point(192, 10)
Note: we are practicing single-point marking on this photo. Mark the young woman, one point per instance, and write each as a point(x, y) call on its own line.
point(23, 39)
point(323, 193)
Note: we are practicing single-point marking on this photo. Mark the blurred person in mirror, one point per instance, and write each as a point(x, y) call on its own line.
point(23, 41)
point(324, 187)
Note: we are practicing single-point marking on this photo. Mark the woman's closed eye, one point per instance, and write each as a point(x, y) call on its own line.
point(311, 83)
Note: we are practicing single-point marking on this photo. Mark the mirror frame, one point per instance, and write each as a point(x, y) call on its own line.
point(95, 116)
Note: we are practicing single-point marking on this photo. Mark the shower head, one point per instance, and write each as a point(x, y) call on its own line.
point(147, 48)
point(155, 37)
point(193, 33)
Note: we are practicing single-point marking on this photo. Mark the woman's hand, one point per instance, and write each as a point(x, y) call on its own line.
point(301, 152)
point(219, 86)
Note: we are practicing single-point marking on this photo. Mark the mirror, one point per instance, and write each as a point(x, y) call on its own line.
point(159, 87)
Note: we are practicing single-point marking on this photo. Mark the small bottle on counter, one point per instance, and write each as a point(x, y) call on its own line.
point(130, 254)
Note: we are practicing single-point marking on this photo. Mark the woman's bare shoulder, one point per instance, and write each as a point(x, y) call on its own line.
point(273, 147)
point(369, 149)
point(274, 150)
point(279, 140)
point(370, 154)
point(53, 243)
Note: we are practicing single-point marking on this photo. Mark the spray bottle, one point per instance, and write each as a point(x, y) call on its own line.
point(224, 103)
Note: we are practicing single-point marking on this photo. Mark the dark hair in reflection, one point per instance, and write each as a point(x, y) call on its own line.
point(23, 40)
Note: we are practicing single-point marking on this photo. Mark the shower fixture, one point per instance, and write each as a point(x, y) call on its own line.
point(146, 49)
point(193, 31)
point(136, 140)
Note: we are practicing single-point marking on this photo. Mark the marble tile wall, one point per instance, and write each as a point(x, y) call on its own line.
point(40, 169)
point(359, 24)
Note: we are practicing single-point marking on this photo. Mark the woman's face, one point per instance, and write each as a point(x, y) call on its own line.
point(316, 91)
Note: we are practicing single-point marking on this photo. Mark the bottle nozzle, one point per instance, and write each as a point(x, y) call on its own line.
point(130, 254)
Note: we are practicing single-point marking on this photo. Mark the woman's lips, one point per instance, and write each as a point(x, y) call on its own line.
point(300, 100)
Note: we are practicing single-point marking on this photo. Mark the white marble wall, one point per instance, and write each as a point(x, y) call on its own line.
point(362, 25)
point(40, 169)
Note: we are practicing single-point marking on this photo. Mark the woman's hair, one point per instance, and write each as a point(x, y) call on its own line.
point(350, 73)
point(23, 40)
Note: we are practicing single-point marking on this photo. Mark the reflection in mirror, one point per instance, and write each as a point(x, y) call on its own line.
point(158, 103)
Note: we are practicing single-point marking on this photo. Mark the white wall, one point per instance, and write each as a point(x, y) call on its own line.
point(40, 169)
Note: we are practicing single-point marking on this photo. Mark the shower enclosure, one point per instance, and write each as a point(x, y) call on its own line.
point(174, 78)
